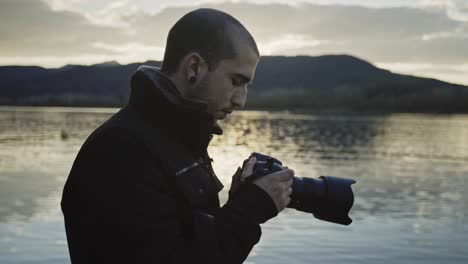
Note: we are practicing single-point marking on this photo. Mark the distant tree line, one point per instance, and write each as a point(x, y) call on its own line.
point(324, 83)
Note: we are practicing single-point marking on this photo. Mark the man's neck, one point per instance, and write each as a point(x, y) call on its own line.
point(177, 81)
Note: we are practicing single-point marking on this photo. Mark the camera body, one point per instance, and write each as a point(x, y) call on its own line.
point(328, 198)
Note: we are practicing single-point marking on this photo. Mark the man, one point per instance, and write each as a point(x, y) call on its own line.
point(142, 188)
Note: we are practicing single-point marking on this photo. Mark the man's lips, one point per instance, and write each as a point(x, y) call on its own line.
point(224, 113)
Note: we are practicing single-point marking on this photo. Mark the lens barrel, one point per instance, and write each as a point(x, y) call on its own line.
point(328, 198)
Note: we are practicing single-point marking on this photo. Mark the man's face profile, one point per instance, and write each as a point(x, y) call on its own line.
point(224, 88)
point(211, 57)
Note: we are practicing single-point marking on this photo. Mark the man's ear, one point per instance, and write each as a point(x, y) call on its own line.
point(195, 67)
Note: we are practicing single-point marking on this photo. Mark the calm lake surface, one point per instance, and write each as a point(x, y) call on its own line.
point(411, 201)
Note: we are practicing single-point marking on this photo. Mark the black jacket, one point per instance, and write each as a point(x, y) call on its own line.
point(142, 188)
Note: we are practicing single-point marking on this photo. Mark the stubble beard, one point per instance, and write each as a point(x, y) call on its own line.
point(202, 92)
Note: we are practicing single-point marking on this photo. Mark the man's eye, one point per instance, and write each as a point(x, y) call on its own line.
point(235, 82)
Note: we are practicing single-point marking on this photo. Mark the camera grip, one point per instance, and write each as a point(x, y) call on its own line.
point(265, 165)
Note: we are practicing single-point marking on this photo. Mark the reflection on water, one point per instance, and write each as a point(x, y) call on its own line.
point(411, 203)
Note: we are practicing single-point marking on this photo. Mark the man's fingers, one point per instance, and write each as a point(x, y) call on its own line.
point(238, 173)
point(248, 170)
point(286, 184)
point(284, 175)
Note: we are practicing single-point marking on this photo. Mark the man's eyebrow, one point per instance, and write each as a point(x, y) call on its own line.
point(244, 78)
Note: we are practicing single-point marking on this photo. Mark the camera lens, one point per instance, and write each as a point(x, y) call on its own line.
point(328, 198)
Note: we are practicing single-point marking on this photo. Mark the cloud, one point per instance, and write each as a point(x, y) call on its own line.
point(289, 44)
point(429, 32)
point(384, 34)
point(455, 9)
point(110, 15)
point(32, 28)
point(131, 51)
point(455, 73)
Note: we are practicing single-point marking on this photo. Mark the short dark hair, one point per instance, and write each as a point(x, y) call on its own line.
point(208, 32)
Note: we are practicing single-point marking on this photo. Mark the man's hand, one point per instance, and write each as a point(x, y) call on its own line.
point(239, 177)
point(279, 186)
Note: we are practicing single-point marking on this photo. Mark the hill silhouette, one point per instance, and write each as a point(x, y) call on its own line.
point(322, 83)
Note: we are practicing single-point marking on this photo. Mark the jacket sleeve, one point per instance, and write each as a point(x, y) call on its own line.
point(118, 208)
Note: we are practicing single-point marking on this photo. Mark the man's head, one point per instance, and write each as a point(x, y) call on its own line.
point(211, 56)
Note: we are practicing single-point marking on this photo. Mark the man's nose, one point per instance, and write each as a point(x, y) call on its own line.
point(239, 98)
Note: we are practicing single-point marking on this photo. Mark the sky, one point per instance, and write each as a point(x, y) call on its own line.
point(419, 37)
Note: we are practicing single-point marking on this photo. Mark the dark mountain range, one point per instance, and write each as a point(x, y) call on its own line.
point(324, 83)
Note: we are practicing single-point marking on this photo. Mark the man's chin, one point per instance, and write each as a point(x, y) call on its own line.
point(217, 128)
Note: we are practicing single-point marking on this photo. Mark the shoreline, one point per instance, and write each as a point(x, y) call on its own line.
point(285, 111)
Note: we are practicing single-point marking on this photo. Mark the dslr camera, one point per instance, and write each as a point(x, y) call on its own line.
point(328, 198)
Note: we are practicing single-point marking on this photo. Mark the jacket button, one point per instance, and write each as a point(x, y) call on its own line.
point(201, 191)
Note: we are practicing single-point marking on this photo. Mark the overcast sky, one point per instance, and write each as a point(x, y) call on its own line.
point(425, 37)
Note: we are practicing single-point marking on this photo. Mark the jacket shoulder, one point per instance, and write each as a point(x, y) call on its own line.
point(124, 127)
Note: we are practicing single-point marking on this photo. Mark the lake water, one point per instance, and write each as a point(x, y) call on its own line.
point(411, 201)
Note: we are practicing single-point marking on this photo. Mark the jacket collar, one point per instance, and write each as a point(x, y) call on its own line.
point(157, 99)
